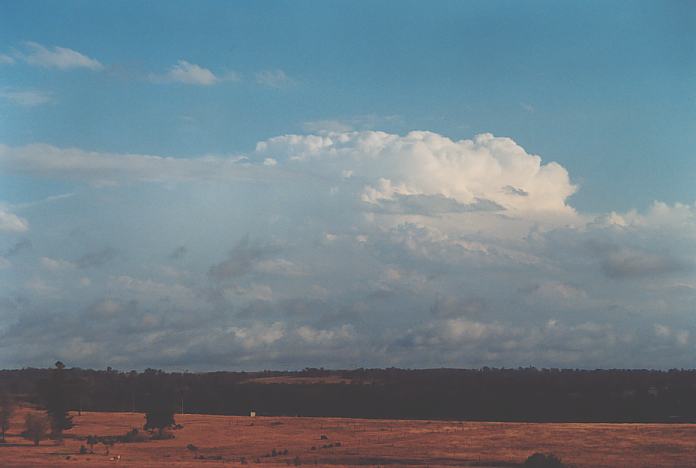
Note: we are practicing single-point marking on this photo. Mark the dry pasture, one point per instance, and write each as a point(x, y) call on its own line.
point(362, 442)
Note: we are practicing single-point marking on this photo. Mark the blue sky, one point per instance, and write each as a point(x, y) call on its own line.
point(131, 131)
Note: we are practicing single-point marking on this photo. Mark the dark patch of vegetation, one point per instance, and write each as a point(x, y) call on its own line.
point(161, 405)
point(92, 440)
point(55, 392)
point(543, 460)
point(526, 394)
point(7, 407)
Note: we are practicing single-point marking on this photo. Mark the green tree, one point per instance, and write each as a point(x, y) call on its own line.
point(160, 402)
point(57, 407)
point(7, 408)
point(159, 418)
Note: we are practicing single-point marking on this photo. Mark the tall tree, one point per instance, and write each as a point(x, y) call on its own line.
point(57, 406)
point(6, 410)
point(160, 400)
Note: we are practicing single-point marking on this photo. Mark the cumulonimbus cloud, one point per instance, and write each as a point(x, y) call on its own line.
point(428, 164)
point(415, 172)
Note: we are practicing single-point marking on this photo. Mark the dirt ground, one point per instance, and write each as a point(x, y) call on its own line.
point(362, 442)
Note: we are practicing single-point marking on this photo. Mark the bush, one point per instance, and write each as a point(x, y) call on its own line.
point(36, 426)
point(543, 460)
point(164, 435)
point(134, 435)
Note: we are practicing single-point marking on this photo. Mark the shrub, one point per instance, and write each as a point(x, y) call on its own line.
point(92, 440)
point(36, 426)
point(134, 435)
point(543, 460)
point(164, 435)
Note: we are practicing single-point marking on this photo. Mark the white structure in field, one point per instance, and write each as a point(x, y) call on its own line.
point(252, 414)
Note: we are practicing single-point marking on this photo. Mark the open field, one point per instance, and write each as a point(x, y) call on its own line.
point(362, 442)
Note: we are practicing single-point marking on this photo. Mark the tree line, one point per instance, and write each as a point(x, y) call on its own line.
point(523, 394)
point(55, 391)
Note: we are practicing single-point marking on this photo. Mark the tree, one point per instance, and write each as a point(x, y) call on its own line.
point(159, 418)
point(6, 410)
point(160, 401)
point(91, 441)
point(36, 426)
point(56, 396)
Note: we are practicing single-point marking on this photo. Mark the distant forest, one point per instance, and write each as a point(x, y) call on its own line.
point(524, 394)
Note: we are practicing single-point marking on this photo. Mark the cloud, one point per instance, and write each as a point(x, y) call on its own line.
point(56, 264)
point(96, 258)
point(57, 57)
point(352, 248)
point(178, 253)
point(10, 222)
point(453, 307)
point(424, 170)
point(241, 260)
point(39, 287)
point(397, 200)
point(18, 247)
point(625, 262)
point(26, 97)
point(274, 78)
point(425, 163)
point(110, 169)
point(680, 337)
point(6, 59)
point(631, 263)
point(189, 73)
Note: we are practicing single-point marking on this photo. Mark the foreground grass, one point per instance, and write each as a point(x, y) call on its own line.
point(225, 440)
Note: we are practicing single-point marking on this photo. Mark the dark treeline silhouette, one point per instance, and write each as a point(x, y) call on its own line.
point(525, 394)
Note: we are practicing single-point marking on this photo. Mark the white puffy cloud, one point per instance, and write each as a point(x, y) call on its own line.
point(274, 78)
point(188, 73)
point(10, 222)
point(61, 58)
point(423, 163)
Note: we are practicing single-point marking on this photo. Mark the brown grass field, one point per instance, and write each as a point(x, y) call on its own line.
point(362, 442)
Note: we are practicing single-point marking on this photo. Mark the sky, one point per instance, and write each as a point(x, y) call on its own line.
point(278, 185)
